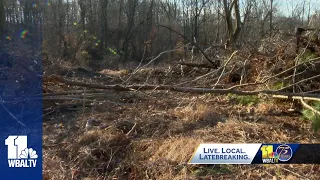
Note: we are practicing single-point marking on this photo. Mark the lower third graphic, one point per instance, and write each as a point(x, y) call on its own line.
point(19, 155)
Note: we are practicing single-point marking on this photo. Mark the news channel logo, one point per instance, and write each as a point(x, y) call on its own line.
point(282, 153)
point(19, 154)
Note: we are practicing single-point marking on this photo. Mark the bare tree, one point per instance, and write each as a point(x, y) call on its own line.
point(130, 15)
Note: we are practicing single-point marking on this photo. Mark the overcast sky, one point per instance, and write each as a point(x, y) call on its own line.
point(287, 6)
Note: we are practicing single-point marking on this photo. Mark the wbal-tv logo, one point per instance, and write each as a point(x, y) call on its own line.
point(19, 155)
point(282, 153)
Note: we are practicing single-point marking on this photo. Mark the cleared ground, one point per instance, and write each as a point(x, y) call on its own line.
point(152, 134)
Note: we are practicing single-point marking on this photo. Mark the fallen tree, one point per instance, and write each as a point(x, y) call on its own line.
point(83, 96)
point(196, 90)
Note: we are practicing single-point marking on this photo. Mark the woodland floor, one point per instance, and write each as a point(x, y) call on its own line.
point(168, 126)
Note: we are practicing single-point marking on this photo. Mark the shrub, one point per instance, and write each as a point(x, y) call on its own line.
point(310, 115)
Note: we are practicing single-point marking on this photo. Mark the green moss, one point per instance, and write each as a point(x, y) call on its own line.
point(278, 85)
point(248, 100)
point(307, 56)
point(313, 37)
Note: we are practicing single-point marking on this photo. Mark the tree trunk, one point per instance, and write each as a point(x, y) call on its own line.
point(82, 14)
point(104, 23)
point(218, 28)
point(271, 16)
point(132, 5)
point(233, 32)
point(236, 33)
point(227, 11)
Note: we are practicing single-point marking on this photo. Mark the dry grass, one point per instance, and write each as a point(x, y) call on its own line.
point(196, 111)
point(169, 126)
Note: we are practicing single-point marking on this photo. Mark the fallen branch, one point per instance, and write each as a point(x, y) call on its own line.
point(302, 101)
point(202, 76)
point(296, 97)
point(299, 82)
point(296, 66)
point(78, 99)
point(281, 73)
point(152, 60)
point(309, 107)
point(197, 65)
point(71, 92)
point(180, 89)
point(216, 71)
point(224, 67)
point(135, 124)
point(69, 107)
point(59, 79)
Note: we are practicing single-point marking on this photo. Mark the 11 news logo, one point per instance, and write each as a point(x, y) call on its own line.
point(19, 155)
point(283, 153)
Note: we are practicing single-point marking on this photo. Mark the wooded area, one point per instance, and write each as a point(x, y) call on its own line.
point(127, 82)
point(130, 30)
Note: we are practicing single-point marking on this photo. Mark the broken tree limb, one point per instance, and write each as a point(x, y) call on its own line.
point(281, 73)
point(224, 66)
point(63, 98)
point(302, 101)
point(296, 97)
point(299, 82)
point(309, 107)
point(179, 89)
point(203, 65)
point(160, 54)
point(59, 79)
point(135, 124)
point(71, 92)
point(202, 76)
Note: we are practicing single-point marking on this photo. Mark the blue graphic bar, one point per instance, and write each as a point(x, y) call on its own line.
point(21, 104)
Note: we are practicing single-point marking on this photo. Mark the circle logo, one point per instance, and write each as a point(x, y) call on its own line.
point(284, 152)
